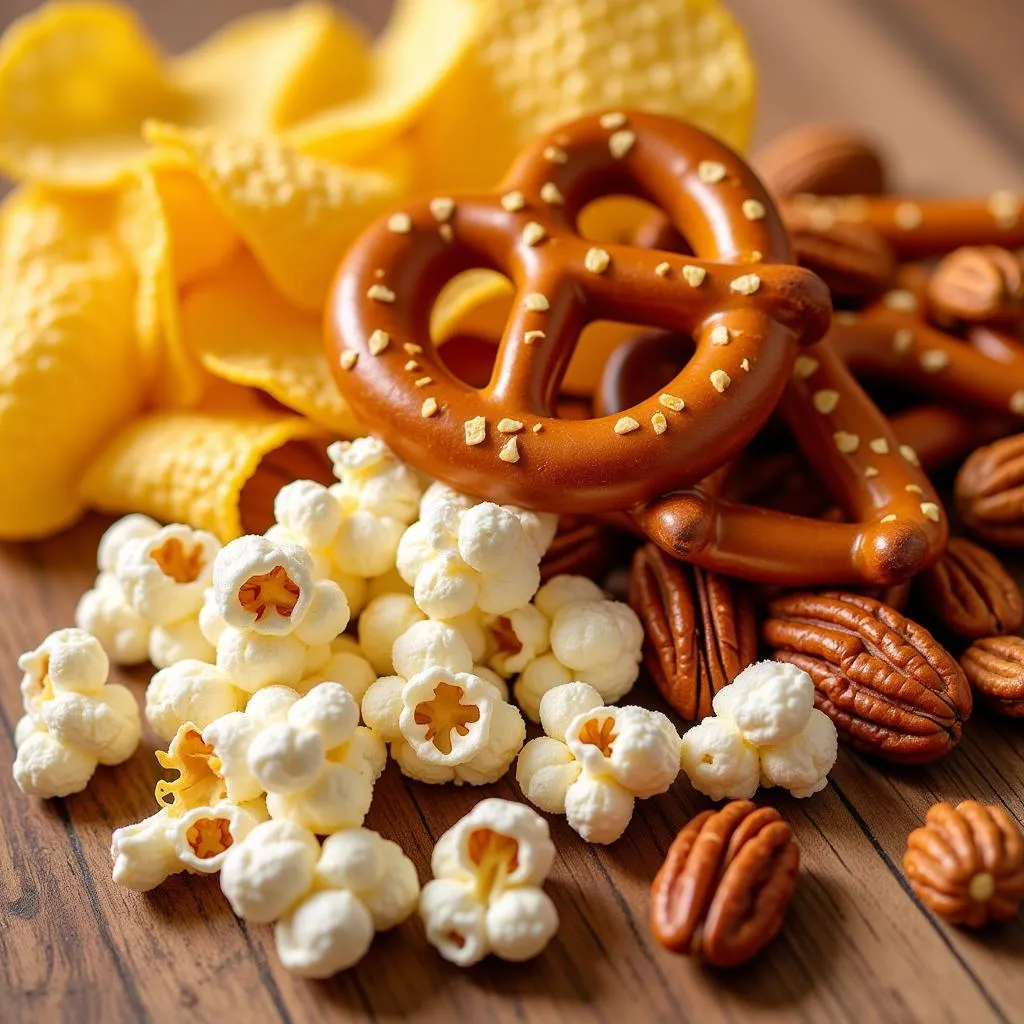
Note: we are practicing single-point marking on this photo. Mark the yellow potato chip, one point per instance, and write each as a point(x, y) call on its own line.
point(270, 69)
point(537, 63)
point(192, 466)
point(245, 332)
point(297, 214)
point(422, 45)
point(69, 367)
point(77, 81)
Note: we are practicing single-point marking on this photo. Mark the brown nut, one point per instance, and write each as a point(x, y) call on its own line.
point(966, 863)
point(971, 593)
point(722, 893)
point(994, 667)
point(890, 688)
point(822, 159)
point(989, 492)
point(699, 629)
point(582, 547)
point(852, 259)
point(979, 284)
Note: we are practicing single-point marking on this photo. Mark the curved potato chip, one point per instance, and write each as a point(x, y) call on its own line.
point(246, 333)
point(69, 365)
point(76, 83)
point(297, 214)
point(191, 467)
point(537, 63)
point(477, 303)
point(421, 46)
point(273, 68)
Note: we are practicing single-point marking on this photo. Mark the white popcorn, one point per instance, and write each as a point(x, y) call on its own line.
point(390, 583)
point(592, 640)
point(198, 841)
point(430, 644)
point(164, 575)
point(595, 761)
point(346, 665)
point(372, 479)
point(382, 622)
point(270, 871)
point(127, 528)
point(719, 762)
point(462, 555)
point(517, 639)
point(252, 660)
point(485, 896)
point(766, 731)
point(189, 691)
point(309, 513)
point(178, 641)
point(327, 932)
point(75, 719)
point(769, 701)
point(802, 763)
point(382, 707)
point(104, 612)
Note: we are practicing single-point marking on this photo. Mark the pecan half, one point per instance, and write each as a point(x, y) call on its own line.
point(825, 160)
point(967, 863)
point(722, 893)
point(889, 687)
point(971, 593)
point(855, 261)
point(582, 547)
point(979, 284)
point(699, 629)
point(994, 667)
point(990, 492)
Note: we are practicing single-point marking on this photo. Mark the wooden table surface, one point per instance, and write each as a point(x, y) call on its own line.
point(943, 88)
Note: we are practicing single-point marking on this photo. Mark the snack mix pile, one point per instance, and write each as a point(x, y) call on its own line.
point(448, 601)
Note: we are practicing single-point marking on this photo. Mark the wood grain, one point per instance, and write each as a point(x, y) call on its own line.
point(857, 945)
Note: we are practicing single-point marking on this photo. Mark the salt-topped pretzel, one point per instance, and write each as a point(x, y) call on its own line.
point(746, 307)
point(897, 525)
point(917, 227)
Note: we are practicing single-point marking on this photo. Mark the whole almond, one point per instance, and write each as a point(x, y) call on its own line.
point(825, 160)
point(994, 667)
point(978, 284)
point(855, 261)
point(729, 876)
point(989, 492)
point(971, 593)
point(889, 687)
point(699, 629)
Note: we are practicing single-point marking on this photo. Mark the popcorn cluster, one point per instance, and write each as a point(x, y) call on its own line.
point(595, 761)
point(765, 731)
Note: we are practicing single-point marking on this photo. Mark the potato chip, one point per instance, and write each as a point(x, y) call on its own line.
point(77, 81)
point(192, 466)
point(245, 332)
point(297, 214)
point(69, 365)
point(419, 50)
point(537, 63)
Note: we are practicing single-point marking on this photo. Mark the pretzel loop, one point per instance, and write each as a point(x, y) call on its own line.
point(745, 307)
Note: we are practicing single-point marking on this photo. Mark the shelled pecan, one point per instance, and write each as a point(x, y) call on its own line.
point(978, 284)
point(854, 261)
point(890, 688)
point(994, 667)
point(722, 893)
point(990, 492)
point(971, 593)
point(582, 547)
point(967, 863)
point(699, 629)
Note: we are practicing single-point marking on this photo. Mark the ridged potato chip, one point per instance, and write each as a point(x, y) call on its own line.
point(421, 47)
point(534, 64)
point(297, 214)
point(192, 466)
point(246, 333)
point(78, 80)
point(70, 371)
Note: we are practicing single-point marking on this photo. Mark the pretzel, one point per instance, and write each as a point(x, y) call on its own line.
point(898, 525)
point(917, 227)
point(502, 440)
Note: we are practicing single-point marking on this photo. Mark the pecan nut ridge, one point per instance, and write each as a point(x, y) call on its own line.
point(994, 667)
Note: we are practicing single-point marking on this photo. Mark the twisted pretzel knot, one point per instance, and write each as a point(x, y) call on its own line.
point(503, 439)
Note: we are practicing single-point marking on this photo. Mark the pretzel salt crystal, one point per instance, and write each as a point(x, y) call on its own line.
point(897, 524)
point(747, 309)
